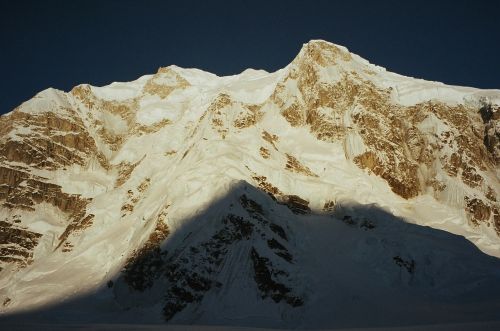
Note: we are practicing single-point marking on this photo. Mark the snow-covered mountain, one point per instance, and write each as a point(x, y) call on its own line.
point(330, 193)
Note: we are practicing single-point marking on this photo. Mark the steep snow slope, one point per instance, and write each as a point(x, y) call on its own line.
point(315, 193)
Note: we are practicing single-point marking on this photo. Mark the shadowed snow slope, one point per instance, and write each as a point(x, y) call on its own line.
point(247, 259)
point(328, 194)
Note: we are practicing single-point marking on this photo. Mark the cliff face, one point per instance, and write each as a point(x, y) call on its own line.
point(170, 181)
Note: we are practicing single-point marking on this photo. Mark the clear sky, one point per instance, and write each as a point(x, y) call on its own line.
point(64, 43)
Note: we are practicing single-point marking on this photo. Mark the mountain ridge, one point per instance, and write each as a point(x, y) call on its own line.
point(97, 177)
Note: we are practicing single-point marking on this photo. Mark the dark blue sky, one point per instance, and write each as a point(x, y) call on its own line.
point(63, 43)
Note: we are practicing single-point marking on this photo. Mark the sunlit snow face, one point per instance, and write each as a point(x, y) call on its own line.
point(296, 196)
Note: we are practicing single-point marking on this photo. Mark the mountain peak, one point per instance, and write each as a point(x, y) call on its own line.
point(182, 192)
point(323, 53)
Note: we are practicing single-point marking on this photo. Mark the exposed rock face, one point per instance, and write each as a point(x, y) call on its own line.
point(395, 141)
point(45, 140)
point(165, 82)
point(20, 189)
point(134, 183)
point(32, 146)
point(491, 119)
point(16, 244)
point(141, 267)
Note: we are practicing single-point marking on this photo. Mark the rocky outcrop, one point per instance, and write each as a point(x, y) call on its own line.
point(38, 142)
point(21, 190)
point(16, 244)
point(490, 114)
point(164, 82)
point(45, 140)
point(269, 287)
point(292, 164)
point(248, 116)
point(140, 269)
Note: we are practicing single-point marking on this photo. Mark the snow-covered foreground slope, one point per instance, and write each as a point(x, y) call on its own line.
point(330, 193)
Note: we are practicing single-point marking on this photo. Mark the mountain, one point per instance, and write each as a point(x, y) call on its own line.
point(330, 193)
